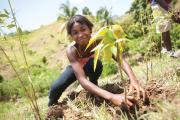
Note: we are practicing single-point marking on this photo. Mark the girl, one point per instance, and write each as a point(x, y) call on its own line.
point(80, 29)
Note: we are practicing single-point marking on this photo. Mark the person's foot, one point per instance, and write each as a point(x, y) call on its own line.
point(171, 53)
point(164, 50)
point(177, 54)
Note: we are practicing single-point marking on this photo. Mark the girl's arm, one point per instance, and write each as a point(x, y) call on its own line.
point(133, 81)
point(89, 86)
point(80, 75)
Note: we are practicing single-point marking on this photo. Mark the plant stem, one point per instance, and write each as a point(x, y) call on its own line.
point(19, 78)
point(27, 67)
point(119, 60)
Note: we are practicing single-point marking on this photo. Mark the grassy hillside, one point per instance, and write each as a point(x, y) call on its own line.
point(44, 43)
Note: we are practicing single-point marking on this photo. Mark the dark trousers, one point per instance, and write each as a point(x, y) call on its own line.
point(68, 77)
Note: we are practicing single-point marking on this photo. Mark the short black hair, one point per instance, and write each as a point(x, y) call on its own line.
point(79, 19)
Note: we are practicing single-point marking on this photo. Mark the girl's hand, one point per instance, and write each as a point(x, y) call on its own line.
point(140, 91)
point(118, 99)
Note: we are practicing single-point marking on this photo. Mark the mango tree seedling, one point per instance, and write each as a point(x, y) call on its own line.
point(111, 44)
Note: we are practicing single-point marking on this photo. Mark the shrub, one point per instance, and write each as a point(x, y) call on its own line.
point(42, 77)
point(134, 31)
point(175, 36)
point(109, 67)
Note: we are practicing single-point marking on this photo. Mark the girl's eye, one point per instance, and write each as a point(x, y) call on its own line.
point(74, 33)
point(83, 29)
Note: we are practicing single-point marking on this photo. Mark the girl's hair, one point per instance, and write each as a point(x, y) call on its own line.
point(78, 19)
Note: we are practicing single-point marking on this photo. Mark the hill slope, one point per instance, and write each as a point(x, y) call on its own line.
point(44, 43)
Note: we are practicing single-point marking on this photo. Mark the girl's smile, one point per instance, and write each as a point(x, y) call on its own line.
point(81, 34)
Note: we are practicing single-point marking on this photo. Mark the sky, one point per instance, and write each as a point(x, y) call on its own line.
point(31, 14)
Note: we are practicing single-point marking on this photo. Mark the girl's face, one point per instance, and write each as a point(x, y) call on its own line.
point(81, 34)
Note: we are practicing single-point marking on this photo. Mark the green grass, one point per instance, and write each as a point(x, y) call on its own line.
point(42, 79)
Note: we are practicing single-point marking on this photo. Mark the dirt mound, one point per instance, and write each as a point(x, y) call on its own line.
point(155, 91)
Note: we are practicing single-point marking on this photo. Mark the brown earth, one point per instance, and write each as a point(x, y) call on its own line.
point(155, 91)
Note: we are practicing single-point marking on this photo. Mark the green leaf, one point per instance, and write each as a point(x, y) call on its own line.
point(6, 11)
point(121, 46)
point(117, 31)
point(4, 15)
point(123, 35)
point(98, 35)
point(114, 50)
point(106, 40)
point(96, 56)
point(98, 47)
point(10, 26)
point(1, 21)
point(97, 50)
point(109, 35)
point(107, 53)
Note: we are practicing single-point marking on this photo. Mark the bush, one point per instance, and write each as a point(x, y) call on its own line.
point(42, 77)
point(10, 88)
point(109, 67)
point(175, 36)
point(134, 31)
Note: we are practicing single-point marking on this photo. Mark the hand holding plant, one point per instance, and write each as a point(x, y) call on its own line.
point(119, 99)
point(139, 89)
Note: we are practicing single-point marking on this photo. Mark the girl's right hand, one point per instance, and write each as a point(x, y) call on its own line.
point(118, 99)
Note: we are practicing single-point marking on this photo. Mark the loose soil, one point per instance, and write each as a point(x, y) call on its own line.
point(156, 91)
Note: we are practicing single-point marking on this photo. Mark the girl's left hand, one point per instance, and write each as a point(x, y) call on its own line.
point(139, 89)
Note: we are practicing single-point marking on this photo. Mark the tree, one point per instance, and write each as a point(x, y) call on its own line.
point(112, 39)
point(111, 45)
point(103, 16)
point(67, 11)
point(140, 11)
point(86, 11)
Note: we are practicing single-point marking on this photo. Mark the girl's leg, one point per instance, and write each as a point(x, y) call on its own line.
point(66, 78)
point(167, 40)
point(89, 70)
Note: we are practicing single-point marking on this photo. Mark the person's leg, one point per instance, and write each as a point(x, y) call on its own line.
point(89, 70)
point(66, 78)
point(167, 40)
